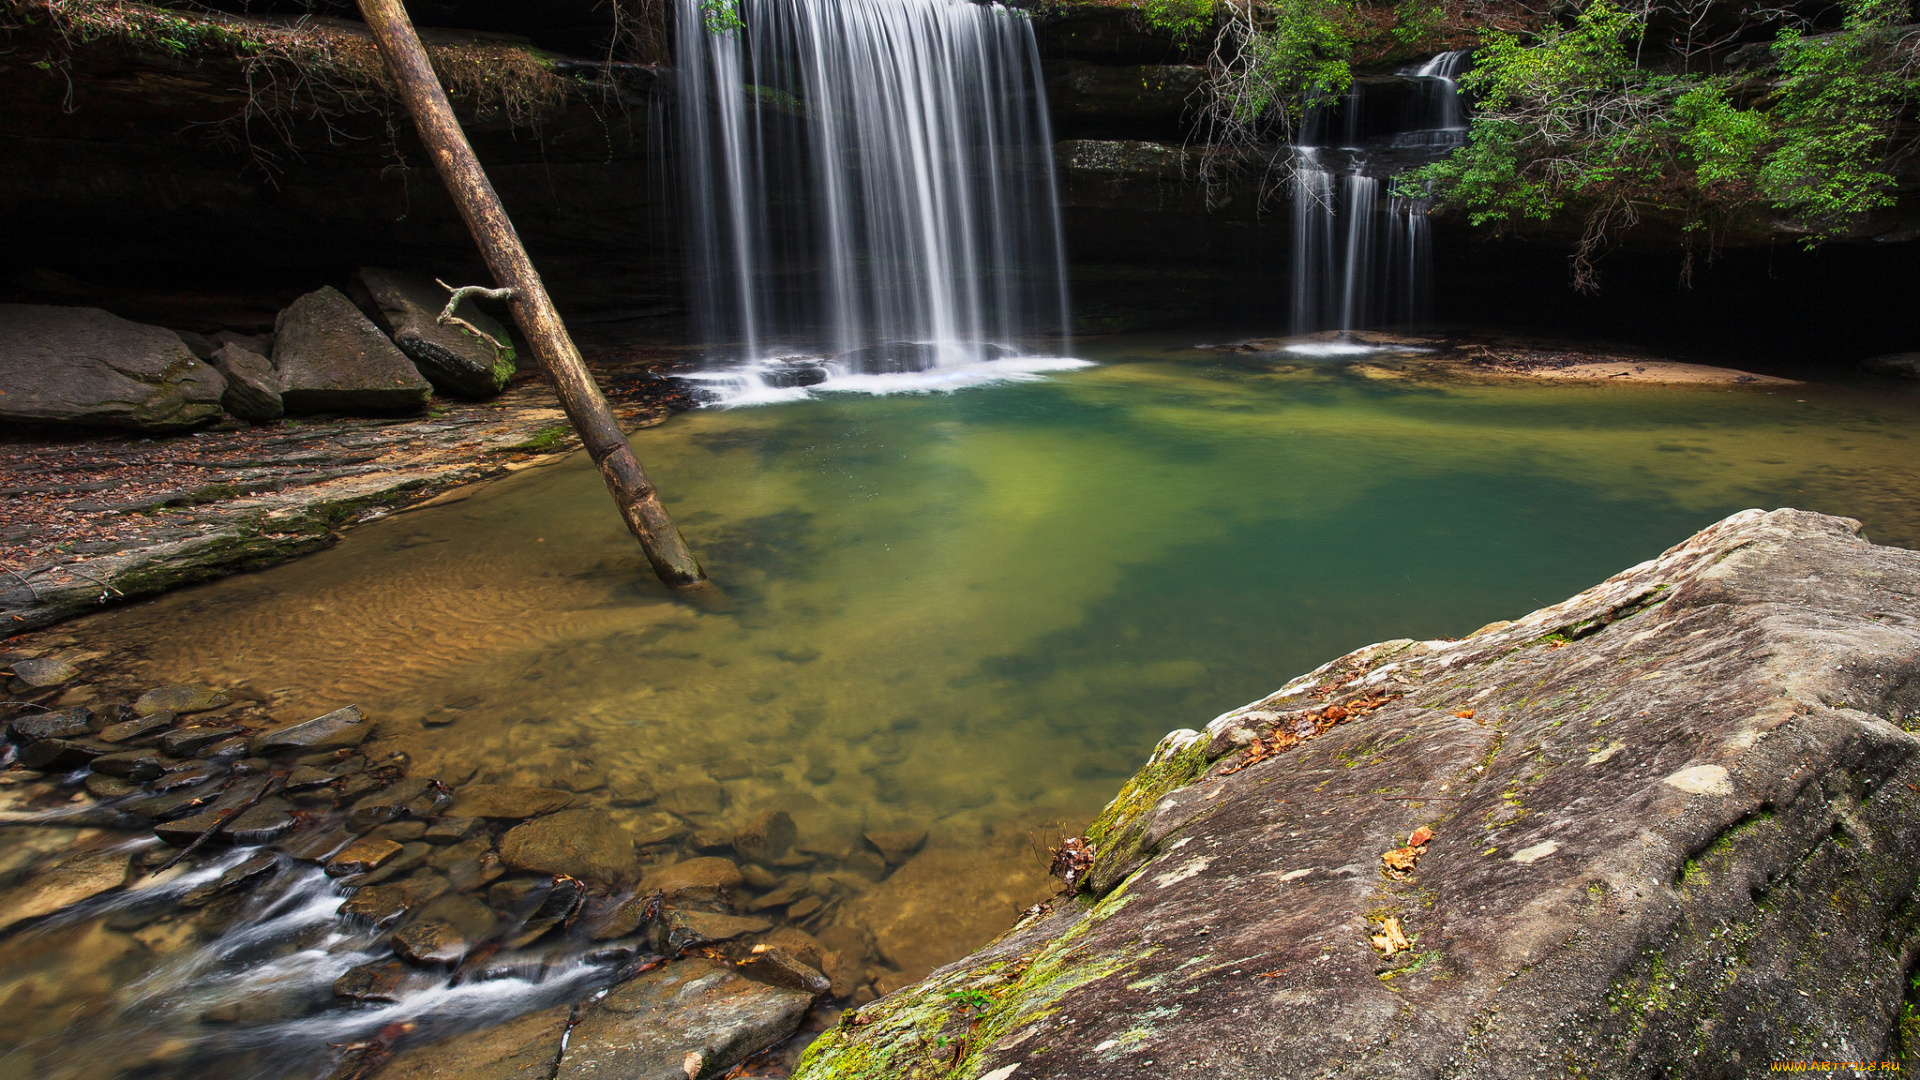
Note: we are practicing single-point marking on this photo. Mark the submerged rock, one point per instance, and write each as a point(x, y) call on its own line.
point(74, 365)
point(897, 845)
point(40, 672)
point(1668, 827)
point(509, 802)
point(686, 1021)
point(179, 698)
point(453, 359)
point(585, 844)
point(709, 875)
point(766, 836)
point(331, 359)
point(337, 730)
point(64, 884)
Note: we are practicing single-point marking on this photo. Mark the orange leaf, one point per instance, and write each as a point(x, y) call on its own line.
point(1400, 858)
point(1464, 714)
point(1420, 836)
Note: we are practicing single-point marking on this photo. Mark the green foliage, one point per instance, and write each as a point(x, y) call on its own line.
point(1567, 120)
point(1838, 100)
point(1417, 22)
point(1186, 20)
point(970, 999)
point(1302, 58)
point(721, 16)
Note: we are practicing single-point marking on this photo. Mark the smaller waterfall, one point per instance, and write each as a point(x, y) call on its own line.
point(1361, 258)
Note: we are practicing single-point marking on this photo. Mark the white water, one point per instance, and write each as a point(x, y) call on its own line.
point(868, 188)
point(1359, 259)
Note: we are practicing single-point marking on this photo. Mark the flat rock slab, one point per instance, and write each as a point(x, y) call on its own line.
point(939, 903)
point(332, 359)
point(73, 365)
point(524, 1048)
point(64, 884)
point(585, 844)
point(686, 1021)
point(1675, 830)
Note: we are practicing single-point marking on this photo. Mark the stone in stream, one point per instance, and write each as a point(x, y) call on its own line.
point(337, 730)
point(765, 837)
point(897, 845)
point(314, 844)
point(561, 902)
point(780, 896)
point(655, 827)
point(1675, 831)
point(692, 1019)
point(445, 931)
point(253, 386)
point(508, 802)
point(307, 778)
point(253, 871)
point(431, 942)
point(265, 821)
point(138, 728)
point(62, 755)
point(191, 739)
point(413, 796)
point(332, 359)
point(382, 982)
point(179, 698)
point(708, 877)
point(778, 967)
point(40, 672)
point(523, 1048)
point(101, 786)
point(686, 928)
point(454, 359)
point(402, 831)
point(135, 765)
point(362, 856)
point(192, 774)
point(585, 844)
point(411, 855)
point(77, 365)
point(76, 878)
point(450, 830)
point(63, 724)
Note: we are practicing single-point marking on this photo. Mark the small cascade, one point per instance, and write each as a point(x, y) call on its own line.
point(1361, 257)
point(869, 191)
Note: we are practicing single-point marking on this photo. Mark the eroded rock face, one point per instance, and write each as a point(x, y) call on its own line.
point(453, 359)
point(331, 359)
point(1675, 831)
point(77, 365)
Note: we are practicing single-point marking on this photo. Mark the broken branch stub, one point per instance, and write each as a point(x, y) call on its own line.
point(586, 407)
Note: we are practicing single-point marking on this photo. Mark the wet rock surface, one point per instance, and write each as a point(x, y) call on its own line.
point(1663, 828)
point(74, 365)
point(578, 843)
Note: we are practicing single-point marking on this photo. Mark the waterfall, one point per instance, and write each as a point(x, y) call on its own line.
point(869, 189)
point(1357, 263)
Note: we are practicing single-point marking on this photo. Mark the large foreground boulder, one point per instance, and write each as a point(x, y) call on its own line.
point(454, 359)
point(76, 365)
point(331, 359)
point(1670, 827)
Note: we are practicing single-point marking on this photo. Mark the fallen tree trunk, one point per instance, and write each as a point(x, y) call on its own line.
point(585, 405)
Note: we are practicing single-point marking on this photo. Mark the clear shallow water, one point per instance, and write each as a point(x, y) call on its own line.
point(972, 611)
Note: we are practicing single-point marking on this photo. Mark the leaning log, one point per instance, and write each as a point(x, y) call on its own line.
point(646, 516)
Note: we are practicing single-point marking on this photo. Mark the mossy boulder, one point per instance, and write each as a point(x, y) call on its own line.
point(1669, 827)
point(455, 359)
point(84, 366)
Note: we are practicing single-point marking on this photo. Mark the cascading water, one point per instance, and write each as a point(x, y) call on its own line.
point(869, 191)
point(1350, 272)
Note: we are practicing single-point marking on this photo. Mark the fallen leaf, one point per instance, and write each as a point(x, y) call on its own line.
point(1464, 714)
point(1400, 858)
point(1391, 939)
point(1420, 837)
point(693, 1063)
